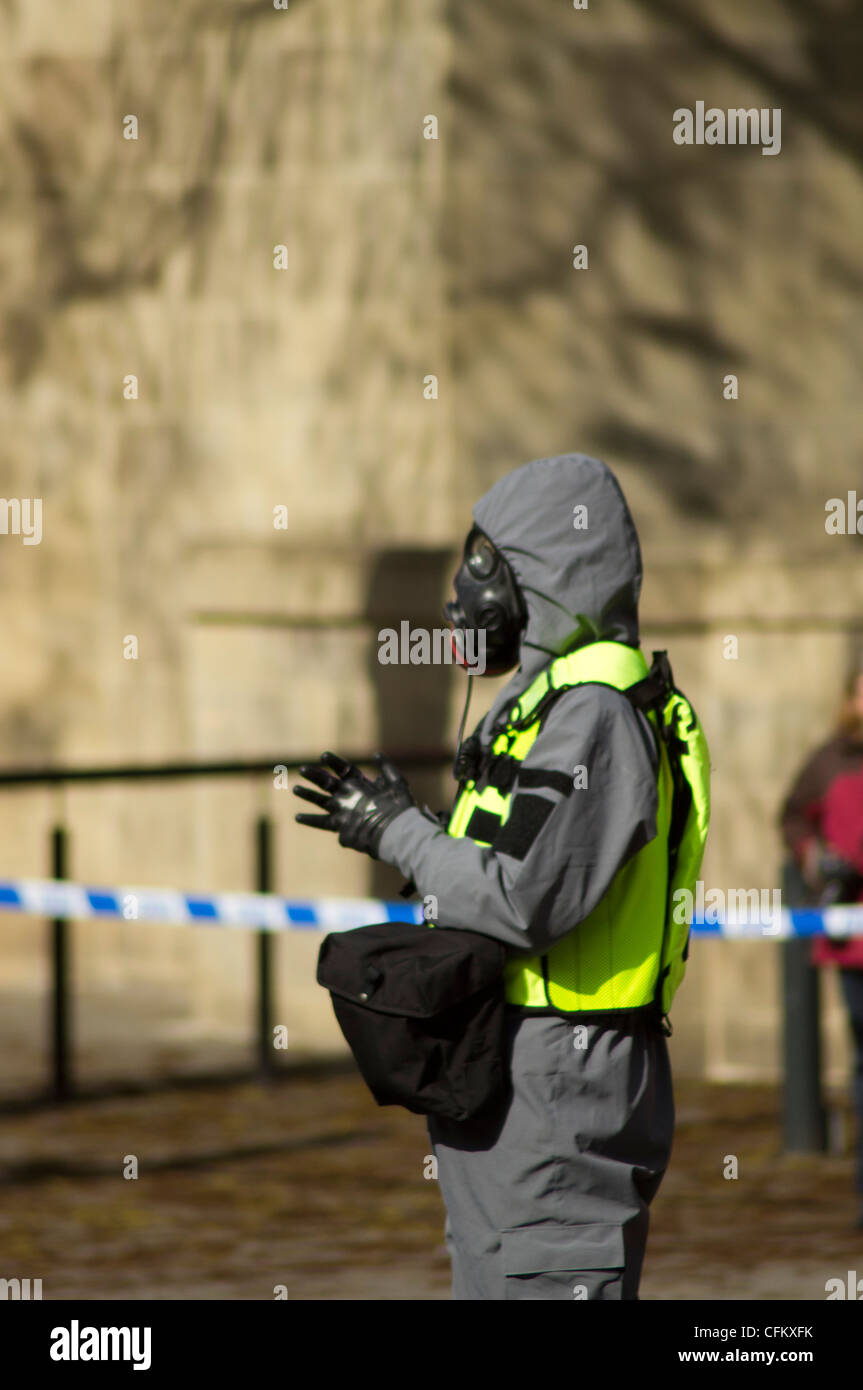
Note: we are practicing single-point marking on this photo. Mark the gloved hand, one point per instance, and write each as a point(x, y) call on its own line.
point(357, 809)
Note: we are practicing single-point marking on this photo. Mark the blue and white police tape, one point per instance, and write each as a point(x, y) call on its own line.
point(76, 901)
point(57, 898)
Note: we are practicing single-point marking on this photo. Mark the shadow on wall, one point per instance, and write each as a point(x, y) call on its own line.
point(412, 700)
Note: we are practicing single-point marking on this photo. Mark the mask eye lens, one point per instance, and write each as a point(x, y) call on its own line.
point(480, 555)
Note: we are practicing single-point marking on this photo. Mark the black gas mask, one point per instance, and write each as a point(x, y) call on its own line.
point(489, 606)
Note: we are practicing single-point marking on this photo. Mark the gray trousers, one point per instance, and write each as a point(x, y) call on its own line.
point(547, 1195)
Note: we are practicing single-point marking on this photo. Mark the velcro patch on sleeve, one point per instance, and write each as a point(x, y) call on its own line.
point(527, 817)
point(482, 826)
point(540, 777)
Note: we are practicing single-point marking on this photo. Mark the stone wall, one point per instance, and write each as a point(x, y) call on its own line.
point(307, 388)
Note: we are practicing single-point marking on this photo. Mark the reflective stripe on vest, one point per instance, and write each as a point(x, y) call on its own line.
point(611, 959)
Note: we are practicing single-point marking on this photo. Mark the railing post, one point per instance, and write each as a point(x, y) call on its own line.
point(264, 884)
point(803, 1118)
point(61, 947)
point(805, 1129)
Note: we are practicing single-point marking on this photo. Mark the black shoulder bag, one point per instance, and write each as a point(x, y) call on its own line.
point(422, 1009)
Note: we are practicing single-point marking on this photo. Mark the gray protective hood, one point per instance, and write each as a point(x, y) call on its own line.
point(579, 585)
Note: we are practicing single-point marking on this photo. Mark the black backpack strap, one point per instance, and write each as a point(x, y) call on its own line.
point(652, 691)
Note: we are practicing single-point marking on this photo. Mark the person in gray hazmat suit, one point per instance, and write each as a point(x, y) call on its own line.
point(549, 849)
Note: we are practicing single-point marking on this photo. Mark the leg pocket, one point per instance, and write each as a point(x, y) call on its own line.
point(564, 1262)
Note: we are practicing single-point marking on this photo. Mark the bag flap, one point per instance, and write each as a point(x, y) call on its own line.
point(412, 971)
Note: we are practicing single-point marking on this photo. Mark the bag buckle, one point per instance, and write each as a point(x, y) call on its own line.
point(467, 760)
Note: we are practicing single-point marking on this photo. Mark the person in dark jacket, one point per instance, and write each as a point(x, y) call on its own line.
point(822, 826)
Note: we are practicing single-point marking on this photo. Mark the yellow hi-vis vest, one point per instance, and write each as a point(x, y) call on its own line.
point(630, 952)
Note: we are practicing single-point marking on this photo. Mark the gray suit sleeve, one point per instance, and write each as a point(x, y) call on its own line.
point(567, 834)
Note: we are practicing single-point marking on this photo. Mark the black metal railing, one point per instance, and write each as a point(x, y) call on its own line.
point(61, 1083)
point(803, 1109)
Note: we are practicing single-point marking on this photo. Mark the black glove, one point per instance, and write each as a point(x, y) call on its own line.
point(358, 809)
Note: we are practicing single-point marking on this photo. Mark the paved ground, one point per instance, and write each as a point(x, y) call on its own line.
point(308, 1184)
